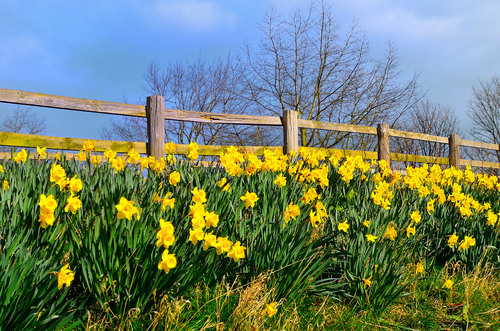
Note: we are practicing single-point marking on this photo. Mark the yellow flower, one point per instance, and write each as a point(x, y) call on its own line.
point(320, 209)
point(291, 211)
point(270, 309)
point(237, 252)
point(430, 206)
point(165, 235)
point(126, 209)
point(168, 261)
point(73, 204)
point(118, 164)
point(452, 241)
point(280, 181)
point(370, 238)
point(133, 156)
point(21, 156)
point(366, 223)
point(448, 283)
point(174, 178)
point(75, 185)
point(109, 154)
point(310, 195)
point(41, 152)
point(410, 230)
point(367, 281)
point(223, 245)
point(82, 156)
point(491, 218)
point(211, 219)
point(95, 159)
point(199, 195)
point(250, 199)
point(1, 168)
point(5, 185)
point(415, 217)
point(166, 202)
point(466, 243)
point(193, 151)
point(390, 232)
point(210, 241)
point(88, 146)
point(170, 148)
point(419, 268)
point(65, 276)
point(343, 226)
point(47, 204)
point(195, 235)
point(46, 219)
point(224, 185)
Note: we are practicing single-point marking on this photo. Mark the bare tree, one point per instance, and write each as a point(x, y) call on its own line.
point(196, 86)
point(23, 120)
point(484, 111)
point(429, 118)
point(307, 64)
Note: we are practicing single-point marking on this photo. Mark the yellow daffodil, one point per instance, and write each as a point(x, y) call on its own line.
point(65, 276)
point(126, 209)
point(343, 226)
point(174, 178)
point(21, 156)
point(448, 284)
point(452, 241)
point(370, 238)
point(199, 195)
point(250, 198)
point(41, 152)
point(170, 148)
point(270, 310)
point(168, 261)
point(73, 204)
point(237, 252)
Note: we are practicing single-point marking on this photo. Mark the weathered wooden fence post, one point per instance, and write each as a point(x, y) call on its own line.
point(156, 126)
point(454, 142)
point(384, 150)
point(290, 131)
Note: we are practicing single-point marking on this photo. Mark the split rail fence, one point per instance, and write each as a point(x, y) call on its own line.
point(156, 114)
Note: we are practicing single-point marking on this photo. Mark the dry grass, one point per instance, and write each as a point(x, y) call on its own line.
point(472, 303)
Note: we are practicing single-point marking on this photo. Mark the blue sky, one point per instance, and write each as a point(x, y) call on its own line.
point(101, 49)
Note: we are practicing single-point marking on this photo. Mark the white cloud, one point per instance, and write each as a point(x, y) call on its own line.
point(192, 15)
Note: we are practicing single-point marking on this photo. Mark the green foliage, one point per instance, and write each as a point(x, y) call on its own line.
point(116, 260)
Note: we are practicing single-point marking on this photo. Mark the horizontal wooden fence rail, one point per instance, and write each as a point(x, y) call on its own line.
point(155, 113)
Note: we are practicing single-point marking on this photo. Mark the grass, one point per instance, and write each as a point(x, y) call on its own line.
point(473, 303)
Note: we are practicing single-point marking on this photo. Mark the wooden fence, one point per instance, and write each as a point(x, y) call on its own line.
point(156, 114)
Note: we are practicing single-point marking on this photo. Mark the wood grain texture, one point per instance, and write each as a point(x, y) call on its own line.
point(418, 136)
point(480, 164)
point(155, 126)
point(62, 143)
point(419, 158)
point(290, 131)
point(384, 151)
point(366, 155)
point(308, 124)
point(477, 144)
point(60, 102)
point(215, 118)
point(454, 157)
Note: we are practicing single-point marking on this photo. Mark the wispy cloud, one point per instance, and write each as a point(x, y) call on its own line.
point(192, 15)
